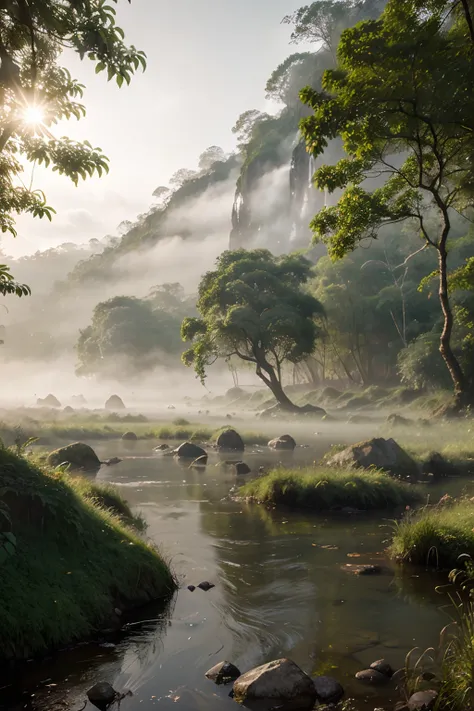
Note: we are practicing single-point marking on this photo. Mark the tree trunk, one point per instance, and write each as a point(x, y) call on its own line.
point(271, 381)
point(452, 363)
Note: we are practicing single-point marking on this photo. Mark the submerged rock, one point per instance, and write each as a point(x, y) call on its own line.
point(114, 403)
point(281, 681)
point(130, 436)
point(102, 695)
point(372, 677)
point(284, 442)
point(241, 468)
point(230, 440)
point(422, 700)
point(328, 690)
point(362, 569)
point(223, 673)
point(383, 667)
point(77, 455)
point(379, 453)
point(206, 586)
point(188, 450)
point(48, 401)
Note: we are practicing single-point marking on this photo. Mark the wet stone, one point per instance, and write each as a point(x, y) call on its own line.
point(372, 677)
point(422, 700)
point(383, 667)
point(223, 673)
point(328, 690)
point(206, 586)
point(102, 695)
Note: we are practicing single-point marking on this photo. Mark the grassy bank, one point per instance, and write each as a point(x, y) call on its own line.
point(436, 536)
point(74, 430)
point(66, 562)
point(324, 489)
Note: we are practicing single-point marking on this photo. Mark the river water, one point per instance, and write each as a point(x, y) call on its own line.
point(280, 590)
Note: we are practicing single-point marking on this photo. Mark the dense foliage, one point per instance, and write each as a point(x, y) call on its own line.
point(252, 306)
point(129, 335)
point(401, 100)
point(36, 93)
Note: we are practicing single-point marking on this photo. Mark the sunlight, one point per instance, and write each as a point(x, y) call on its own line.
point(33, 115)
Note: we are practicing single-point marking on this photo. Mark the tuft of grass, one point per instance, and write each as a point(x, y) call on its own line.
point(436, 535)
point(74, 560)
point(181, 422)
point(108, 498)
point(323, 489)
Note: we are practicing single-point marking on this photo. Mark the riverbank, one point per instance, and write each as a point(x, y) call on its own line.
point(326, 489)
point(436, 536)
point(69, 565)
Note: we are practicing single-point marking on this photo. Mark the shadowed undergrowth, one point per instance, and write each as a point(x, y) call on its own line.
point(73, 561)
point(323, 489)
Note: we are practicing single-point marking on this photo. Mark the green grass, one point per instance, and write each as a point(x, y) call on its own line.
point(435, 536)
point(74, 561)
point(324, 489)
point(109, 498)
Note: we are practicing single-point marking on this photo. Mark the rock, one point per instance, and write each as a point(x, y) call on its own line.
point(188, 450)
point(241, 468)
point(311, 410)
point(191, 588)
point(48, 401)
point(171, 407)
point(234, 393)
point(230, 440)
point(359, 420)
point(223, 673)
point(383, 667)
point(399, 421)
point(379, 453)
point(328, 690)
point(161, 448)
point(114, 403)
point(78, 455)
point(362, 569)
point(284, 442)
point(130, 436)
point(68, 410)
point(372, 677)
point(422, 700)
point(102, 695)
point(200, 462)
point(79, 400)
point(438, 466)
point(206, 586)
point(281, 681)
point(112, 461)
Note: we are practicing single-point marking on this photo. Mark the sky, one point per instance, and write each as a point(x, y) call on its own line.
point(208, 61)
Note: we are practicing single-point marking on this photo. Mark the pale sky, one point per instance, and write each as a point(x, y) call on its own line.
point(208, 61)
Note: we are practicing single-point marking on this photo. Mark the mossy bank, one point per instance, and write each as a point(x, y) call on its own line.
point(66, 562)
point(325, 489)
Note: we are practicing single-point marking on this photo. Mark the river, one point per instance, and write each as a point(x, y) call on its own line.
point(280, 590)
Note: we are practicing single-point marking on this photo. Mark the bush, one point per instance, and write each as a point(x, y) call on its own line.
point(323, 489)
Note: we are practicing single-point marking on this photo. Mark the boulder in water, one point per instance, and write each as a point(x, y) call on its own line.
point(284, 442)
point(230, 440)
point(188, 450)
point(49, 401)
point(372, 677)
point(241, 468)
point(281, 682)
point(383, 667)
point(223, 673)
point(102, 695)
point(422, 700)
point(77, 455)
point(328, 690)
point(379, 453)
point(200, 462)
point(130, 436)
point(114, 403)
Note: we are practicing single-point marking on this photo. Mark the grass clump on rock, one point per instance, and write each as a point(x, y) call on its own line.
point(436, 535)
point(70, 560)
point(325, 489)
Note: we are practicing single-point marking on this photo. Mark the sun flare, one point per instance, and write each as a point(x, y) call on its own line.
point(33, 115)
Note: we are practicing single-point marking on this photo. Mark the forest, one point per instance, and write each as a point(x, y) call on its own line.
point(379, 204)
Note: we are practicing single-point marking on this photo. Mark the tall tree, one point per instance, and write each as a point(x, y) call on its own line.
point(253, 307)
point(36, 92)
point(402, 101)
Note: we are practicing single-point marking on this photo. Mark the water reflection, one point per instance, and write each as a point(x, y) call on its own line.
point(281, 589)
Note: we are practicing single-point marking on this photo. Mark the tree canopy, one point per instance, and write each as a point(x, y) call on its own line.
point(36, 93)
point(402, 101)
point(253, 306)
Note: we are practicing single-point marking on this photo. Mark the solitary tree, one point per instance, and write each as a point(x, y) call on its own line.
point(253, 306)
point(36, 93)
point(402, 101)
